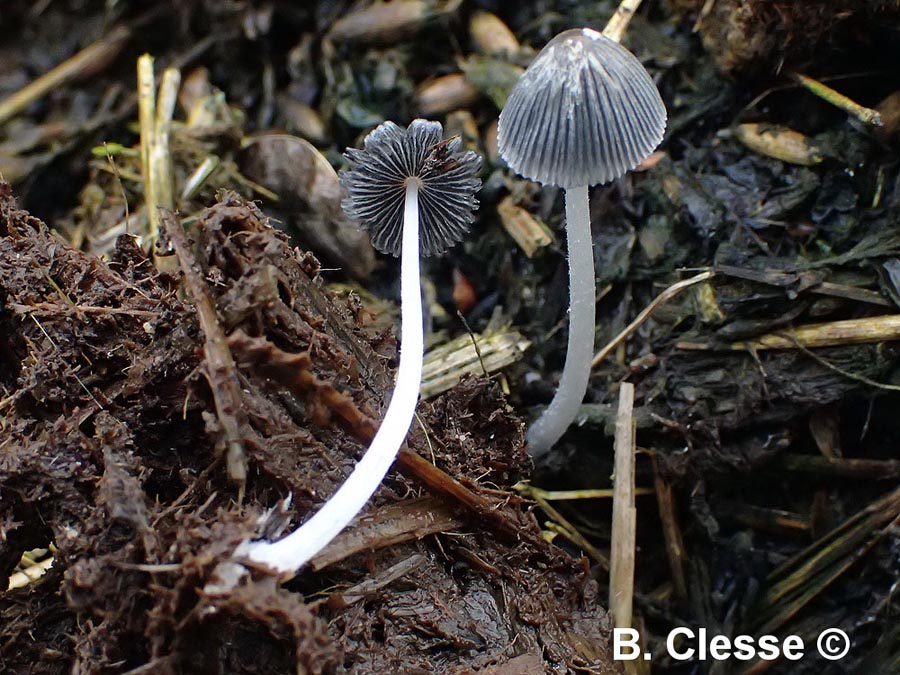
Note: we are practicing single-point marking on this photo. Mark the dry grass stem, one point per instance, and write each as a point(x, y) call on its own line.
point(861, 469)
point(847, 332)
point(568, 531)
point(219, 367)
point(155, 115)
point(533, 492)
point(446, 364)
point(806, 575)
point(619, 21)
point(624, 516)
point(89, 59)
point(675, 552)
point(648, 311)
point(30, 572)
point(147, 120)
point(837, 99)
point(160, 156)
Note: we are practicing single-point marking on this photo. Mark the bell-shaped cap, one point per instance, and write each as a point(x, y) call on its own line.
point(585, 112)
point(375, 185)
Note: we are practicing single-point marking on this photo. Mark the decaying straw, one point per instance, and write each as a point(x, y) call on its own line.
point(33, 566)
point(618, 23)
point(648, 311)
point(560, 525)
point(839, 100)
point(88, 59)
point(155, 116)
point(533, 492)
point(675, 552)
point(847, 332)
point(805, 576)
point(624, 516)
point(528, 232)
point(446, 364)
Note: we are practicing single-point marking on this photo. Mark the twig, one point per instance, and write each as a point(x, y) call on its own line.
point(624, 515)
point(147, 121)
point(371, 585)
point(388, 526)
point(440, 482)
point(533, 492)
point(618, 23)
point(219, 367)
point(295, 371)
point(648, 311)
point(834, 333)
point(705, 11)
point(860, 469)
point(188, 491)
point(566, 530)
point(51, 308)
point(797, 581)
point(769, 519)
point(160, 156)
point(474, 338)
point(102, 51)
point(837, 99)
point(671, 531)
point(561, 525)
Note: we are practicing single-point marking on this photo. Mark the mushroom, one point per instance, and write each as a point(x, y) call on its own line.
point(414, 193)
point(585, 112)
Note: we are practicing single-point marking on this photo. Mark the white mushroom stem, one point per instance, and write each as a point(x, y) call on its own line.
point(553, 422)
point(299, 547)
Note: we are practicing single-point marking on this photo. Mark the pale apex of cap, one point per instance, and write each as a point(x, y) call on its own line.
point(585, 112)
point(375, 185)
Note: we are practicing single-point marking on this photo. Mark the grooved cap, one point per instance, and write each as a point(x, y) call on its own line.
point(585, 112)
point(375, 185)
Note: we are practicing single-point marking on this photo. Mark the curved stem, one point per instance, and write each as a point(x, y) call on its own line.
point(554, 421)
point(304, 543)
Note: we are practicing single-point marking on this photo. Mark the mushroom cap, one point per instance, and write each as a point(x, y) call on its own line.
point(585, 112)
point(375, 185)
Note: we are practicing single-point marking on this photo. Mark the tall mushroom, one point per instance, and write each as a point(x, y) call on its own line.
point(414, 193)
point(585, 112)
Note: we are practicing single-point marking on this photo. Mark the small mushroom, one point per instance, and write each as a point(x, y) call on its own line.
point(414, 193)
point(585, 112)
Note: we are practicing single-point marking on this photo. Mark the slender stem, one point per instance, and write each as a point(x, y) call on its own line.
point(554, 421)
point(304, 543)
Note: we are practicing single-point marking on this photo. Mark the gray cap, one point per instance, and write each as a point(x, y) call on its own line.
point(585, 112)
point(375, 185)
